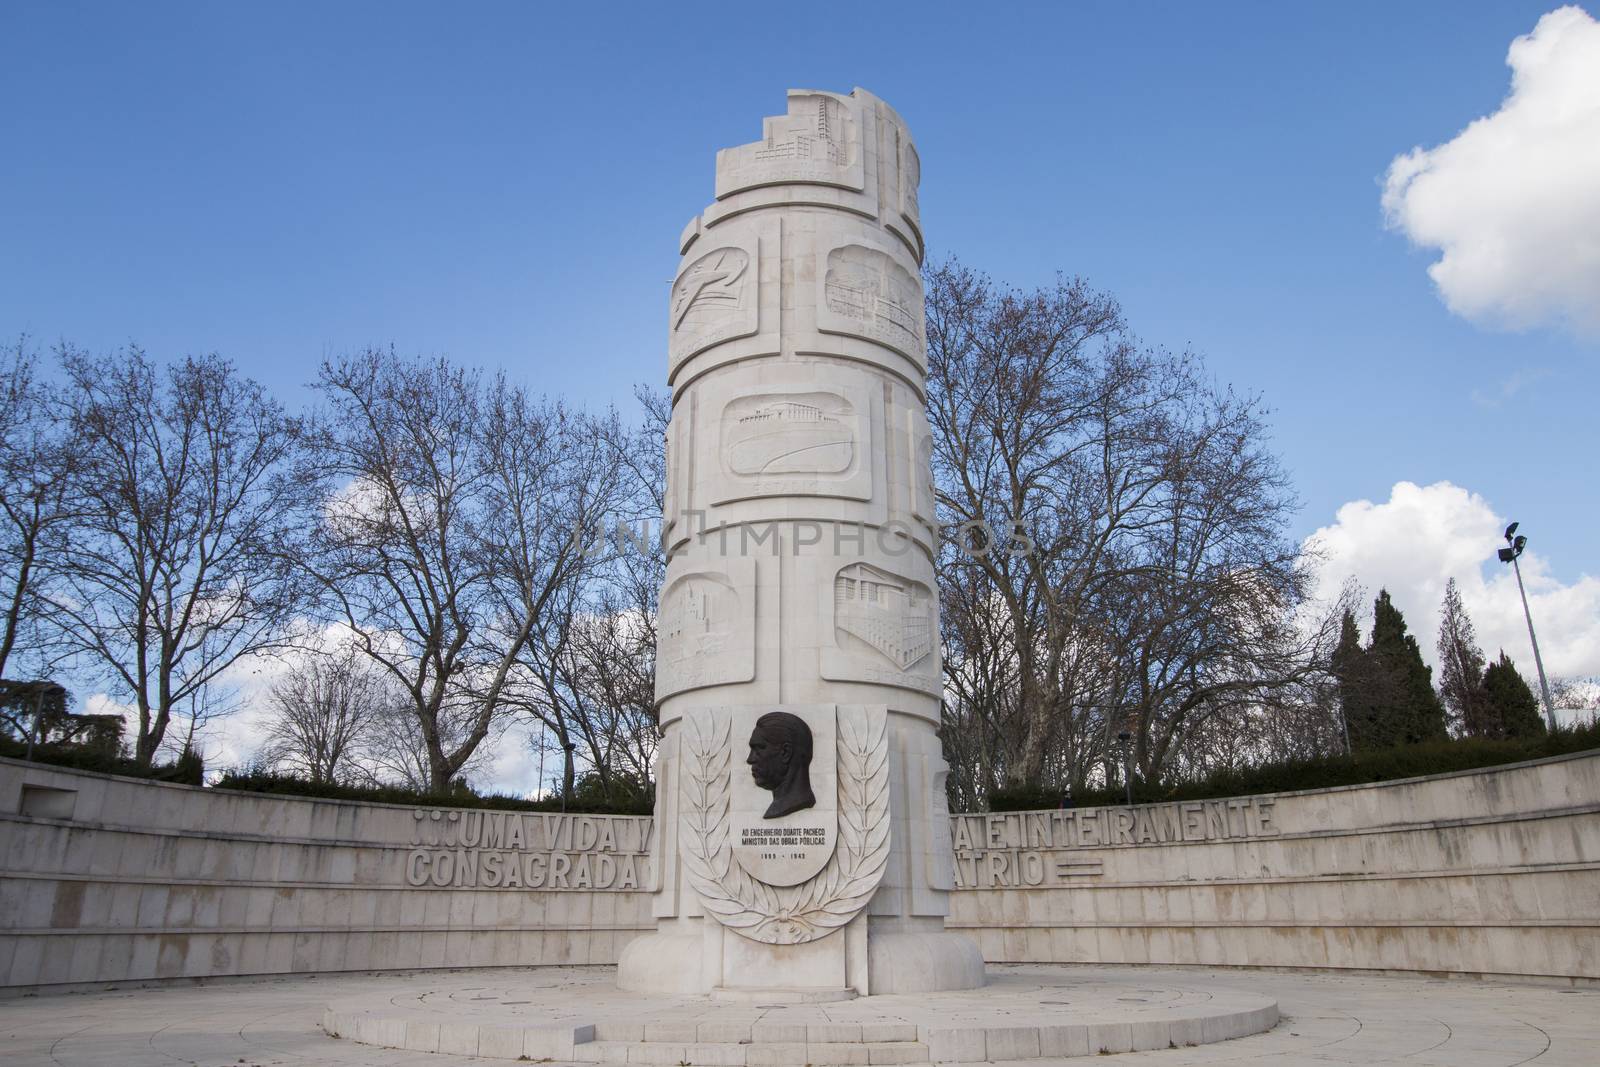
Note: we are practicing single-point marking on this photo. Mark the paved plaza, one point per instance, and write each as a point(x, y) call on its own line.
point(1028, 1012)
point(1326, 1019)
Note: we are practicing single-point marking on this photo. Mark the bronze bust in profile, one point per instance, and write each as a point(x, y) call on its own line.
point(780, 761)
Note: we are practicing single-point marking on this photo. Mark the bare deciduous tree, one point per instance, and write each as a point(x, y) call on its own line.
point(1211, 627)
point(449, 532)
point(1013, 379)
point(1138, 577)
point(595, 662)
point(1579, 697)
point(178, 560)
point(325, 712)
point(37, 457)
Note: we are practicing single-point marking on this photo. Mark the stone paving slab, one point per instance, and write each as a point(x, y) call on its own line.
point(1327, 1020)
point(1024, 1012)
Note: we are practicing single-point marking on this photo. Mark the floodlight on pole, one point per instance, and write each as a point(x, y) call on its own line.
point(1515, 544)
point(566, 771)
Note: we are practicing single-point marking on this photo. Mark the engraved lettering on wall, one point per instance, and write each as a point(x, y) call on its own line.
point(512, 850)
point(1036, 849)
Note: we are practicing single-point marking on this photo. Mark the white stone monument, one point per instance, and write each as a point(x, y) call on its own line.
point(803, 849)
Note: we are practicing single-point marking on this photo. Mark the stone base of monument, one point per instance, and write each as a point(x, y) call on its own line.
point(579, 1016)
point(897, 961)
point(785, 995)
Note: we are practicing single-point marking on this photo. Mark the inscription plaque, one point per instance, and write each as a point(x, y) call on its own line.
point(784, 812)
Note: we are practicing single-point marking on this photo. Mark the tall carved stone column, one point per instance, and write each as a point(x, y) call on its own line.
point(802, 837)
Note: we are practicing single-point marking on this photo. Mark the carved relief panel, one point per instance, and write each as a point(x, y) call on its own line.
point(922, 479)
point(711, 292)
point(899, 174)
point(707, 624)
point(791, 846)
point(890, 614)
point(797, 877)
point(819, 141)
point(793, 438)
point(910, 180)
point(716, 296)
point(864, 292)
point(882, 624)
point(774, 434)
point(674, 496)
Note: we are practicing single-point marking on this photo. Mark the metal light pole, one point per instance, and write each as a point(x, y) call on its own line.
point(1509, 555)
point(1127, 766)
point(40, 692)
point(542, 745)
point(566, 773)
point(38, 713)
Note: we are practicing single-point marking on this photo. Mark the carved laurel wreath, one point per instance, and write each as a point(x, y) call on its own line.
point(787, 915)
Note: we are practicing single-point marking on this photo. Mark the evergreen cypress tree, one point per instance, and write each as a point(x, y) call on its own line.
point(1352, 670)
point(1460, 665)
point(1411, 707)
point(1509, 704)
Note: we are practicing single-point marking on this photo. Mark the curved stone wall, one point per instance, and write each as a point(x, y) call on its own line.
point(1493, 872)
point(114, 879)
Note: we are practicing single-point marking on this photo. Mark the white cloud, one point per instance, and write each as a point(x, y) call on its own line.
point(1513, 201)
point(510, 764)
point(1508, 388)
point(513, 764)
point(1421, 537)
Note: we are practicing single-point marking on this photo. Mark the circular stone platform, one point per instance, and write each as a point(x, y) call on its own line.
point(580, 1016)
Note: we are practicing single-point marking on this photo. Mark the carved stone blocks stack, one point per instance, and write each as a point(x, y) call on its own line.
point(798, 651)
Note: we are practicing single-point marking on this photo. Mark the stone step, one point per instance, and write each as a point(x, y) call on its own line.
point(753, 1054)
point(758, 1033)
point(1051, 1016)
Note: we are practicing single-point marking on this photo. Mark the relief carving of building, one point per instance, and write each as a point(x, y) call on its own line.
point(892, 615)
point(790, 436)
point(815, 135)
point(867, 286)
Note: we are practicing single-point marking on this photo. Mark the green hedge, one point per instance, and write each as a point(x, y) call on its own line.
point(1360, 768)
point(248, 781)
point(187, 769)
point(1024, 798)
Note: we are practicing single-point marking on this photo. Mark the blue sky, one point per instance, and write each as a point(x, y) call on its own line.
point(505, 183)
